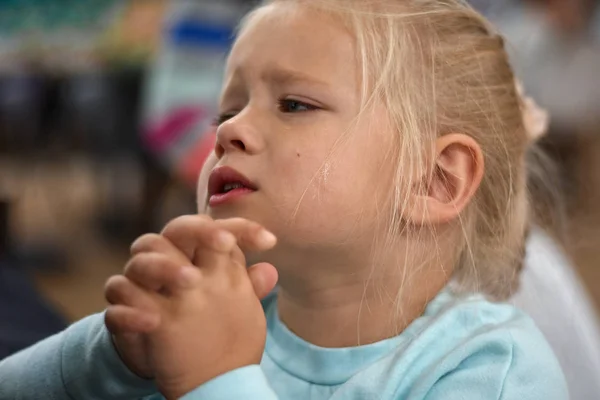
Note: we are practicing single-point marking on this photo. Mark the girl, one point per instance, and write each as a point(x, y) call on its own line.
point(382, 145)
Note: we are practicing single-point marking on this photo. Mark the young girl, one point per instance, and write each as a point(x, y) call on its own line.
point(382, 146)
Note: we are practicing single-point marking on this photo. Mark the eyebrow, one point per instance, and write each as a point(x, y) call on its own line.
point(278, 76)
point(282, 76)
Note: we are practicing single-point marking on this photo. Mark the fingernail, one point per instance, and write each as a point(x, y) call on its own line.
point(187, 276)
point(225, 240)
point(266, 238)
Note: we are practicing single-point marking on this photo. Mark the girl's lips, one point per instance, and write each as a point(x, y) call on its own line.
point(223, 198)
point(225, 184)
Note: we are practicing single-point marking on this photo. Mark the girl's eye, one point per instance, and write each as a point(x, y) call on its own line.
point(285, 106)
point(295, 106)
point(222, 118)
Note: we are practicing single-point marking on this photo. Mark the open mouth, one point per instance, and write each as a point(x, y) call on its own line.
point(228, 187)
point(226, 184)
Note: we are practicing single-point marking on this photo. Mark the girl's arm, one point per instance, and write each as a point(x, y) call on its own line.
point(78, 363)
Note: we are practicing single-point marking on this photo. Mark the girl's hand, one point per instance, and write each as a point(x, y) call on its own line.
point(185, 324)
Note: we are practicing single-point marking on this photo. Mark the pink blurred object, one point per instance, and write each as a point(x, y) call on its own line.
point(193, 161)
point(162, 134)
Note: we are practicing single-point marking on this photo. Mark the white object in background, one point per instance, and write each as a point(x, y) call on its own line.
point(552, 294)
point(559, 72)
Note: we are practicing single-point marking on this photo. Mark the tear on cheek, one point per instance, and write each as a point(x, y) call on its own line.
point(325, 171)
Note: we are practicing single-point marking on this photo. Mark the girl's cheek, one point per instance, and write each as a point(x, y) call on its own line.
point(202, 183)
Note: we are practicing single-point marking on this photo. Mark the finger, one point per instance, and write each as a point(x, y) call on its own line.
point(189, 277)
point(250, 235)
point(156, 271)
point(200, 238)
point(210, 261)
point(189, 232)
point(119, 290)
point(155, 243)
point(264, 278)
point(238, 256)
point(120, 319)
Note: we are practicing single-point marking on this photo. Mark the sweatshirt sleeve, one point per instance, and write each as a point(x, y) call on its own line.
point(78, 363)
point(248, 383)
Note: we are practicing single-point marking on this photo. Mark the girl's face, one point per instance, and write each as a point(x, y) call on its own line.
point(319, 176)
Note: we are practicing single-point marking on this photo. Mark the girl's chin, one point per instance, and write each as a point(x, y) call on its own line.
point(231, 211)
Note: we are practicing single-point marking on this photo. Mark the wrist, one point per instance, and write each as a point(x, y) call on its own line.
point(146, 375)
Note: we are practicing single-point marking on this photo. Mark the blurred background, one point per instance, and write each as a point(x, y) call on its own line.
point(105, 114)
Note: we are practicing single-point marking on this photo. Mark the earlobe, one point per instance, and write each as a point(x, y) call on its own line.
point(453, 181)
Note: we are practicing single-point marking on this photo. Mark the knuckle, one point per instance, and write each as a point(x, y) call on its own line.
point(242, 283)
point(142, 263)
point(237, 220)
point(217, 286)
point(147, 242)
point(242, 228)
point(114, 286)
point(128, 319)
point(175, 224)
point(240, 222)
point(133, 264)
point(253, 230)
point(248, 227)
point(150, 268)
point(203, 217)
point(184, 222)
point(115, 282)
point(116, 321)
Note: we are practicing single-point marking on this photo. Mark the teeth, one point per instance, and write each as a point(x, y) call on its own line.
point(228, 187)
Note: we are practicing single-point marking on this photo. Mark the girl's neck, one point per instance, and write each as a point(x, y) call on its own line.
point(357, 312)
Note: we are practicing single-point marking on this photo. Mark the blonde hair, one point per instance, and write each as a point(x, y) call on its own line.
point(440, 68)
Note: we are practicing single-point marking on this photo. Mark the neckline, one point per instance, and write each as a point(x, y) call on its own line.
point(334, 366)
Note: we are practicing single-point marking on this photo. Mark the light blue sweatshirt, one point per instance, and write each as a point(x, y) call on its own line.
point(459, 349)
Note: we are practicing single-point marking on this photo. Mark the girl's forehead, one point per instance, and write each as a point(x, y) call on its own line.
point(294, 25)
point(289, 37)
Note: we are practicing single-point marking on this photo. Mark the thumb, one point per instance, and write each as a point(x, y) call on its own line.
point(264, 278)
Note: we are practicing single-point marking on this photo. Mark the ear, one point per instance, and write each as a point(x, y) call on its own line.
point(456, 175)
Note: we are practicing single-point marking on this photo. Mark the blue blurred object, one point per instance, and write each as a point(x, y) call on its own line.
point(26, 317)
point(17, 16)
point(490, 7)
point(21, 95)
point(195, 33)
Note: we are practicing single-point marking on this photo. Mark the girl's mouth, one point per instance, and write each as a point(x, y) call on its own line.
point(226, 185)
